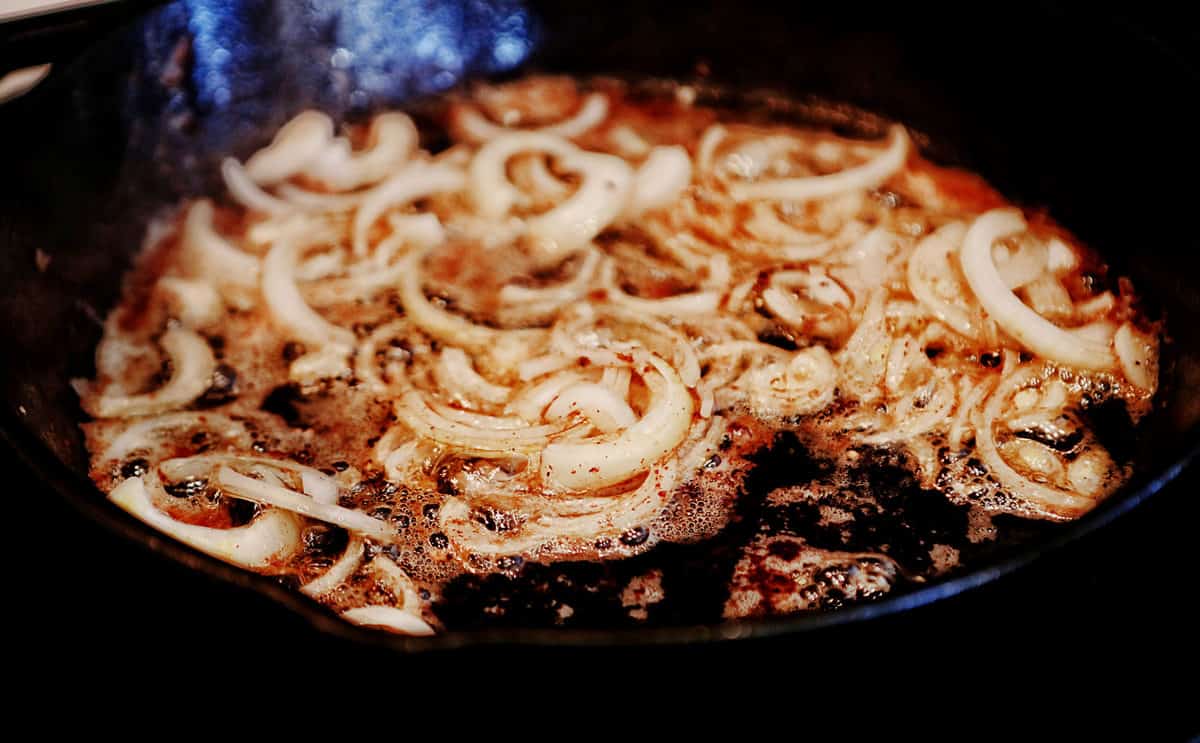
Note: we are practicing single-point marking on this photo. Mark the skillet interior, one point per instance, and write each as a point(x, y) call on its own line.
point(1041, 107)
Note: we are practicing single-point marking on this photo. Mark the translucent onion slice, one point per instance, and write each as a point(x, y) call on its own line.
point(802, 386)
point(474, 127)
point(1049, 500)
point(911, 421)
point(296, 144)
point(269, 494)
point(391, 139)
point(192, 366)
point(1006, 309)
point(559, 294)
point(416, 181)
point(929, 267)
point(599, 404)
point(365, 359)
point(1138, 354)
point(690, 304)
point(572, 466)
point(659, 180)
point(531, 402)
point(576, 336)
point(505, 348)
point(573, 519)
point(197, 303)
point(268, 541)
point(412, 410)
point(456, 376)
point(314, 201)
point(339, 572)
point(868, 175)
point(400, 621)
point(206, 253)
point(606, 182)
point(248, 193)
point(287, 305)
point(315, 483)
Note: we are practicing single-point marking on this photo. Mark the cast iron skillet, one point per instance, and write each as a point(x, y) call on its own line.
point(1083, 115)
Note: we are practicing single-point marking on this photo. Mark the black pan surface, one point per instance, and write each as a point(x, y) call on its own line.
point(1035, 99)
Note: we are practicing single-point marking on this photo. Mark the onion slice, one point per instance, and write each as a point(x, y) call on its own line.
point(296, 144)
point(1030, 329)
point(266, 493)
point(586, 465)
point(192, 364)
point(287, 305)
point(475, 128)
point(868, 175)
point(266, 542)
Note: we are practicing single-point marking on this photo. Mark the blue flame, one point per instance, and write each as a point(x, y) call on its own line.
point(349, 55)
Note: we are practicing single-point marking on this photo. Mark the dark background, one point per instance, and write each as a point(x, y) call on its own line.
point(1104, 630)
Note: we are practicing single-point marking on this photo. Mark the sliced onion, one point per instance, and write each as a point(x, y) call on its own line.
point(929, 266)
point(457, 377)
point(267, 542)
point(287, 305)
point(207, 254)
point(390, 141)
point(315, 201)
point(863, 360)
point(606, 181)
point(969, 397)
point(296, 144)
point(327, 362)
point(580, 466)
point(1048, 297)
point(364, 360)
point(626, 139)
point(1049, 500)
point(802, 386)
point(573, 519)
point(505, 348)
point(474, 419)
point(1138, 354)
point(659, 180)
point(576, 336)
point(412, 410)
point(475, 128)
point(911, 422)
point(1022, 266)
point(400, 621)
point(192, 366)
point(416, 181)
point(1026, 326)
point(868, 175)
point(531, 402)
point(553, 297)
point(690, 304)
point(339, 572)
point(776, 238)
point(142, 431)
point(247, 193)
point(599, 404)
point(197, 302)
point(706, 149)
point(269, 494)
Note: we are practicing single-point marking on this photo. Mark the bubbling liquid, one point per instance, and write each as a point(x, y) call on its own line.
point(611, 357)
